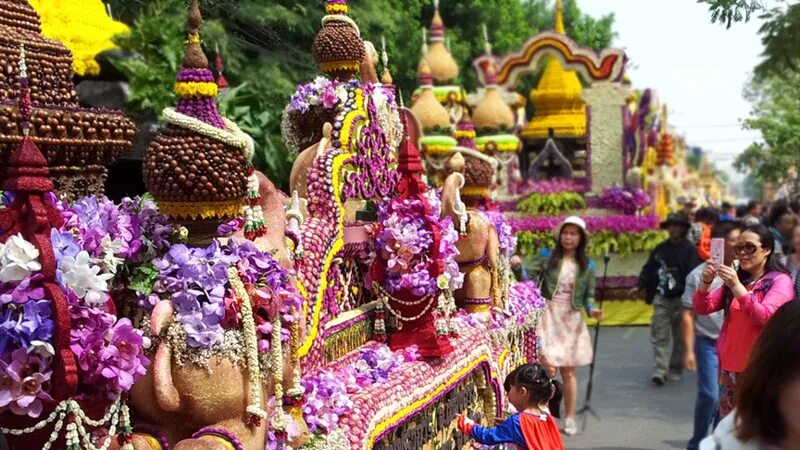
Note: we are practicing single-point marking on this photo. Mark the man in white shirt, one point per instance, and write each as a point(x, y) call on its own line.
point(700, 335)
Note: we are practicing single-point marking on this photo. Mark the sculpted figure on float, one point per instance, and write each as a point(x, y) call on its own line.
point(478, 245)
point(222, 313)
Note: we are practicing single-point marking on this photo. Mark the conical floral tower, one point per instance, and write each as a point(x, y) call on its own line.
point(197, 166)
point(443, 68)
point(478, 170)
point(495, 123)
point(557, 99)
point(417, 324)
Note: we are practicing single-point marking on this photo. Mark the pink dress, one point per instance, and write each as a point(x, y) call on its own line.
point(565, 338)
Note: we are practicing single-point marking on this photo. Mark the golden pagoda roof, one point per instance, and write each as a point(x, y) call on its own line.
point(443, 67)
point(492, 111)
point(557, 99)
point(427, 108)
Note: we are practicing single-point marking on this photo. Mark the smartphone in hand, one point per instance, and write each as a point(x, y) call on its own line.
point(717, 251)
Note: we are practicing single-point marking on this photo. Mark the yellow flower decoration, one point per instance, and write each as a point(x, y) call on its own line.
point(83, 26)
point(189, 89)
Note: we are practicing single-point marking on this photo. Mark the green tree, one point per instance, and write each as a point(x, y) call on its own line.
point(776, 114)
point(780, 32)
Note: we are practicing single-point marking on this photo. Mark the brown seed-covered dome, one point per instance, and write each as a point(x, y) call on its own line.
point(183, 166)
point(338, 47)
point(196, 167)
point(78, 143)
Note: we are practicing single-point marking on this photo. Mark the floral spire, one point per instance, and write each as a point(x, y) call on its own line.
point(560, 18)
point(28, 171)
point(465, 132)
point(386, 76)
point(409, 163)
point(437, 24)
point(196, 88)
point(25, 109)
point(222, 83)
point(337, 7)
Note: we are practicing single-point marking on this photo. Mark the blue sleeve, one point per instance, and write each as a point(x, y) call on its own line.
point(508, 432)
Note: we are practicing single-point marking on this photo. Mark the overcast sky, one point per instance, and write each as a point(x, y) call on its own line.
point(697, 68)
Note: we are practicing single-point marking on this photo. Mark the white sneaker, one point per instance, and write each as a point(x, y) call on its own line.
point(570, 429)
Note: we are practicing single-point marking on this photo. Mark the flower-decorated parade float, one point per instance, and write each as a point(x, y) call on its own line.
point(570, 158)
point(411, 313)
point(364, 310)
point(142, 312)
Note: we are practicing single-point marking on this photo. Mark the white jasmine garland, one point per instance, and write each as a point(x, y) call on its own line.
point(85, 279)
point(18, 259)
point(232, 135)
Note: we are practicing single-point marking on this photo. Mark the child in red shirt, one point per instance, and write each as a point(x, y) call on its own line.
point(529, 389)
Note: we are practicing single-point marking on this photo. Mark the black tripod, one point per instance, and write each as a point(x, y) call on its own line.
point(587, 406)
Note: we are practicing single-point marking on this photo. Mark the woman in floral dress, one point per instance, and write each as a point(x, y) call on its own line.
point(567, 281)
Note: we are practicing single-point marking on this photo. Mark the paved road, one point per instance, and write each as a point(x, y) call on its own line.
point(634, 414)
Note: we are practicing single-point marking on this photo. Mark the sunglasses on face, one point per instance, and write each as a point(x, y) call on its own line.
point(745, 248)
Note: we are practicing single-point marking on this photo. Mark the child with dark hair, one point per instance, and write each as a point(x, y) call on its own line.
point(530, 390)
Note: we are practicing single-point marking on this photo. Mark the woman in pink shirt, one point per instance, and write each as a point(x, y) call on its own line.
point(749, 297)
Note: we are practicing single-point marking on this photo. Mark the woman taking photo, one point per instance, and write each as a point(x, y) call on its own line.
point(766, 415)
point(749, 297)
point(567, 281)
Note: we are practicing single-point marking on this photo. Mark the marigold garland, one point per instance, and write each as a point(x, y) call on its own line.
point(334, 66)
point(336, 9)
point(192, 89)
point(203, 210)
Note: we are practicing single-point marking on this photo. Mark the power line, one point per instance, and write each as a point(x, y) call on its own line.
point(691, 127)
point(711, 141)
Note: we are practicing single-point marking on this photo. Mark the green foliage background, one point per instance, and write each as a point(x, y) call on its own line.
point(551, 204)
point(266, 49)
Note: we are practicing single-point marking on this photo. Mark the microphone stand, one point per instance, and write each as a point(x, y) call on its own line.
point(587, 406)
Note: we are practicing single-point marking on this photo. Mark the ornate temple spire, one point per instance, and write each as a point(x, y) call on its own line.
point(557, 98)
point(28, 171)
point(443, 67)
point(560, 18)
point(195, 86)
point(222, 83)
point(386, 76)
point(409, 163)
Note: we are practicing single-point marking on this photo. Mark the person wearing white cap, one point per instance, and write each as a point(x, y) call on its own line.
point(567, 281)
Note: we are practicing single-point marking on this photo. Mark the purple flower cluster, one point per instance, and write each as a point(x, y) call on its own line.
point(328, 393)
point(523, 299)
point(616, 224)
point(196, 75)
point(404, 242)
point(97, 238)
point(109, 352)
point(197, 281)
point(626, 200)
point(508, 241)
point(195, 278)
point(93, 220)
point(322, 92)
point(549, 187)
point(24, 381)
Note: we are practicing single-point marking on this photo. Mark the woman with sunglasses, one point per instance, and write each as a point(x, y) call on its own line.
point(749, 297)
